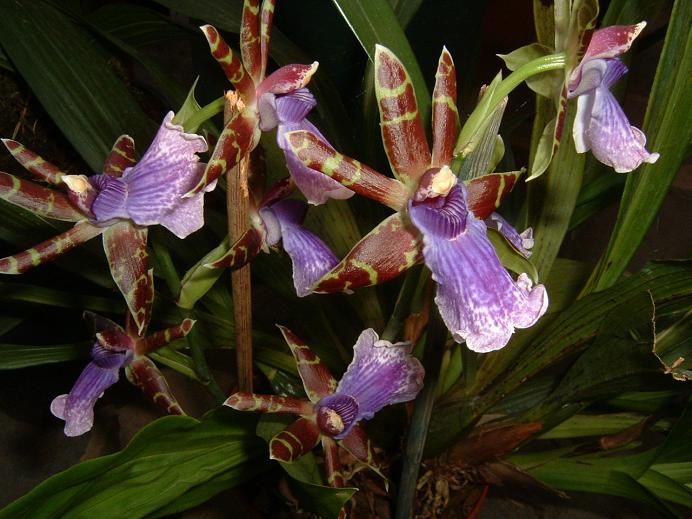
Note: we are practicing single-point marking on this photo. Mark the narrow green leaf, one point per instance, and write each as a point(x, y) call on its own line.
point(76, 87)
point(140, 479)
point(598, 425)
point(15, 356)
point(375, 22)
point(12, 291)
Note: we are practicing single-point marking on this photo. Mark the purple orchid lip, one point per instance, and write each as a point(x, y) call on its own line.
point(77, 407)
point(478, 300)
point(151, 192)
point(311, 257)
point(380, 374)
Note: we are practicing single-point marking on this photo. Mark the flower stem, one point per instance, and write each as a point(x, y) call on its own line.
point(496, 92)
point(422, 410)
point(238, 209)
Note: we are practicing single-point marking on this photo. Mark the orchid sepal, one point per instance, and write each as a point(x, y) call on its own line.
point(33, 163)
point(38, 199)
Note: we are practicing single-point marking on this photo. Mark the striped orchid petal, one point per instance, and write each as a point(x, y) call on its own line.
point(125, 245)
point(403, 135)
point(359, 445)
point(318, 155)
point(242, 401)
point(43, 169)
point(250, 39)
point(38, 199)
point(332, 466)
point(295, 440)
point(121, 157)
point(163, 337)
point(242, 251)
point(445, 117)
point(388, 250)
point(143, 373)
point(230, 63)
point(266, 18)
point(238, 137)
point(317, 379)
point(49, 250)
point(486, 193)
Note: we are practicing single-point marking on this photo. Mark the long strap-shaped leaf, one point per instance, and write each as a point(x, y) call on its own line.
point(38, 199)
point(125, 245)
point(318, 155)
point(34, 163)
point(388, 250)
point(49, 249)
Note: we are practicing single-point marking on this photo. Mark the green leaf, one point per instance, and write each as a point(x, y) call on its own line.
point(510, 257)
point(164, 462)
point(668, 130)
point(14, 292)
point(597, 425)
point(375, 22)
point(553, 198)
point(73, 82)
point(15, 356)
point(307, 482)
point(673, 348)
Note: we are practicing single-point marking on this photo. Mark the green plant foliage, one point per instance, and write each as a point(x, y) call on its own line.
point(165, 467)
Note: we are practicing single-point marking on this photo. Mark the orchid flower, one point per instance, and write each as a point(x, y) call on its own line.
point(477, 298)
point(380, 374)
point(278, 101)
point(119, 203)
point(600, 124)
point(278, 222)
point(117, 349)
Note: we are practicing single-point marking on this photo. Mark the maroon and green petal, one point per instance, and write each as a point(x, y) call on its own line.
point(125, 245)
point(143, 373)
point(115, 339)
point(163, 337)
point(34, 163)
point(317, 379)
point(243, 401)
point(318, 155)
point(403, 134)
point(230, 63)
point(288, 78)
point(250, 39)
point(121, 157)
point(388, 250)
point(38, 199)
point(49, 250)
point(486, 193)
point(239, 137)
point(360, 446)
point(266, 17)
point(445, 117)
point(332, 465)
point(241, 252)
point(295, 440)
